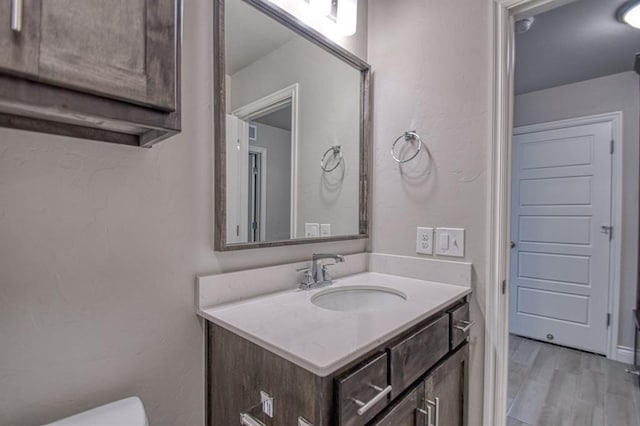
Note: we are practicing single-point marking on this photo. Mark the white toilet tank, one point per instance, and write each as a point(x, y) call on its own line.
point(126, 412)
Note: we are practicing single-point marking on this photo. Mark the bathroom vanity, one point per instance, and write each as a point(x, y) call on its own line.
point(340, 355)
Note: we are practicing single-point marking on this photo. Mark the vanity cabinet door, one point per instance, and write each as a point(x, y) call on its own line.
point(19, 46)
point(445, 391)
point(406, 412)
point(123, 49)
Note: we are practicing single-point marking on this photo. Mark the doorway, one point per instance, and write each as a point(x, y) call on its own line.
point(500, 291)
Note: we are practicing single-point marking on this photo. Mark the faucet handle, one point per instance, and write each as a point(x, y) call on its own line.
point(308, 280)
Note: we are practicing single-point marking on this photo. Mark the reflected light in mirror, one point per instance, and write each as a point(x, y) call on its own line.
point(312, 14)
point(321, 7)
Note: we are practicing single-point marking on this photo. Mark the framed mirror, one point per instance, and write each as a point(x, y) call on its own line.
point(292, 129)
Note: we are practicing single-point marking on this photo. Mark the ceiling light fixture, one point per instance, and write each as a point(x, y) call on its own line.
point(629, 13)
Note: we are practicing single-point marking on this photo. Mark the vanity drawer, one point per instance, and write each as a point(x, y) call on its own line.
point(413, 356)
point(460, 324)
point(363, 393)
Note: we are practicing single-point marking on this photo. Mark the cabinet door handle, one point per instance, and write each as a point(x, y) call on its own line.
point(464, 326)
point(366, 406)
point(436, 408)
point(16, 15)
point(249, 420)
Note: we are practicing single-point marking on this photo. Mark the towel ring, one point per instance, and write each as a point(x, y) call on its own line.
point(407, 136)
point(334, 150)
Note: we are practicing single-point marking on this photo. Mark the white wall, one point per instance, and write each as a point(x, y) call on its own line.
point(99, 248)
point(431, 62)
point(618, 92)
point(329, 111)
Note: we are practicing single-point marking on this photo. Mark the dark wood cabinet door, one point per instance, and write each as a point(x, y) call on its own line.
point(445, 391)
point(19, 49)
point(122, 49)
point(406, 412)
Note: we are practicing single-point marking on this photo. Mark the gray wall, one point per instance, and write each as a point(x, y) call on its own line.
point(617, 92)
point(278, 145)
point(327, 110)
point(432, 62)
point(99, 248)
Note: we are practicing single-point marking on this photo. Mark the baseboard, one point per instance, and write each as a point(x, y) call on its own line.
point(624, 354)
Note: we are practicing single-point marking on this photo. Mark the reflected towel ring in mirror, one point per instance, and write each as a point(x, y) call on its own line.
point(407, 136)
point(335, 150)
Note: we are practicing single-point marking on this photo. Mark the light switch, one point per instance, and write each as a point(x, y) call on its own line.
point(311, 230)
point(443, 241)
point(450, 242)
point(325, 230)
point(424, 241)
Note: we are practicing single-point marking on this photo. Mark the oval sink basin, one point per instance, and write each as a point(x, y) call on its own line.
point(359, 298)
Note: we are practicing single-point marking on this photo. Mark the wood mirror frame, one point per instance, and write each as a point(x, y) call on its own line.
point(220, 183)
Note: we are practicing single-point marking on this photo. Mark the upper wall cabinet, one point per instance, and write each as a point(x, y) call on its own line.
point(103, 70)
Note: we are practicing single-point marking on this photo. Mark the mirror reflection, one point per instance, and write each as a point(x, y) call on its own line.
point(292, 133)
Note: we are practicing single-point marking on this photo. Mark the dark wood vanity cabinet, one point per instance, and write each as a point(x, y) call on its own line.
point(418, 378)
point(103, 70)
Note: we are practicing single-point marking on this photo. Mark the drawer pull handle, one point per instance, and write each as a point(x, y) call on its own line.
point(464, 326)
point(249, 420)
point(436, 406)
point(366, 406)
point(16, 15)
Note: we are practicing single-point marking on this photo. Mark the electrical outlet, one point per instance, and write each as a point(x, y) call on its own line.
point(424, 241)
point(450, 242)
point(311, 230)
point(325, 230)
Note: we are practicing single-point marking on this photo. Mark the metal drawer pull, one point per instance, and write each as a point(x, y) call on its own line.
point(436, 406)
point(466, 325)
point(16, 15)
point(249, 420)
point(366, 406)
point(303, 422)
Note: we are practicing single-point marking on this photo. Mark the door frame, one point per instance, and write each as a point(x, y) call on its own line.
point(615, 264)
point(270, 103)
point(496, 331)
point(263, 188)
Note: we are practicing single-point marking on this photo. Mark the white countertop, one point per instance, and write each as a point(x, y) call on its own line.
point(322, 340)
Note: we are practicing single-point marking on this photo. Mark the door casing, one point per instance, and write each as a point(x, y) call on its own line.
point(496, 349)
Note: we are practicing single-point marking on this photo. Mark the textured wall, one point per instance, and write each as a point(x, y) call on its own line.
point(431, 63)
point(617, 92)
point(99, 248)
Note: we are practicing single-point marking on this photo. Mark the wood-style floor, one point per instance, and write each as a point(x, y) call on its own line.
point(551, 385)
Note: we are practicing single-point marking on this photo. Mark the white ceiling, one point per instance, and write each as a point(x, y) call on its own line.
point(576, 42)
point(280, 118)
point(250, 35)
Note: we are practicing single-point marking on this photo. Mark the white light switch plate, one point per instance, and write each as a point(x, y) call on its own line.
point(424, 241)
point(450, 242)
point(325, 230)
point(311, 230)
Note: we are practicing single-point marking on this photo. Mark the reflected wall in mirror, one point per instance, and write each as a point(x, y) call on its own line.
point(294, 151)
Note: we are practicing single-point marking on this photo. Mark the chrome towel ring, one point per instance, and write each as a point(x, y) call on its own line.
point(334, 150)
point(407, 136)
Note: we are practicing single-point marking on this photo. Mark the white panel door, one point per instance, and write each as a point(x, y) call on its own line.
point(560, 262)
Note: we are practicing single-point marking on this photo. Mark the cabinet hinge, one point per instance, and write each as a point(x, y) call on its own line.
point(608, 320)
point(612, 144)
point(504, 286)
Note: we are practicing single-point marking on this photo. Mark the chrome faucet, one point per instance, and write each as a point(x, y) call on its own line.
point(318, 275)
